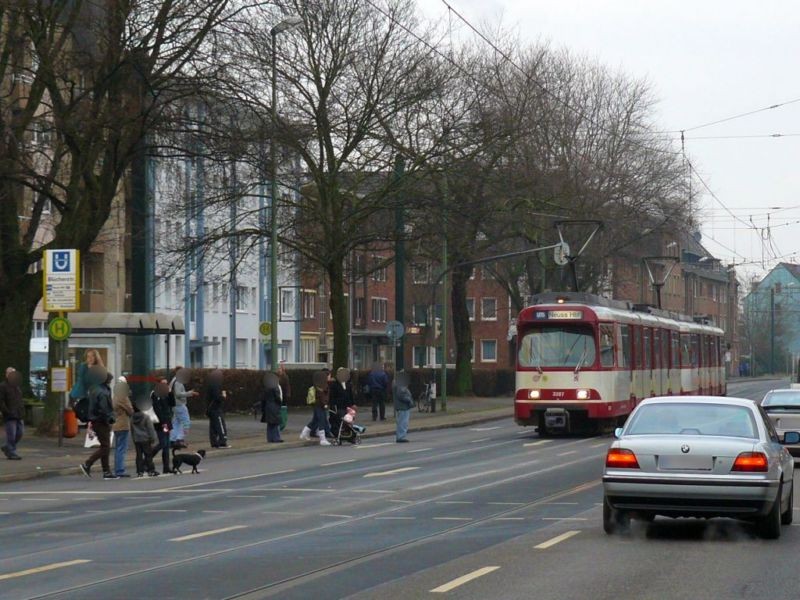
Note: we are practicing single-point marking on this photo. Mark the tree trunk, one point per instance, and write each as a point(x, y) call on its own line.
point(462, 331)
point(338, 306)
point(18, 300)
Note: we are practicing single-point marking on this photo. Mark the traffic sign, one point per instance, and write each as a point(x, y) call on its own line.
point(561, 254)
point(265, 328)
point(59, 329)
point(61, 283)
point(395, 330)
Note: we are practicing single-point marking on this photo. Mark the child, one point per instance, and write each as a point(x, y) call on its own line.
point(144, 436)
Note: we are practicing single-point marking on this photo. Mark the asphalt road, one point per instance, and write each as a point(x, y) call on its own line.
point(460, 511)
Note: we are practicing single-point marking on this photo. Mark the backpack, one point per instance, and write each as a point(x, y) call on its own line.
point(311, 396)
point(81, 409)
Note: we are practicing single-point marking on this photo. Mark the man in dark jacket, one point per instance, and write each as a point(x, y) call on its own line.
point(403, 402)
point(163, 404)
point(378, 384)
point(216, 396)
point(101, 417)
point(13, 409)
point(270, 400)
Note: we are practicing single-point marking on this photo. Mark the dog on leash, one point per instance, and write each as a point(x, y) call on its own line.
point(190, 459)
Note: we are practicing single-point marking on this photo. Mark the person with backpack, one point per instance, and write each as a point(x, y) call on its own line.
point(317, 396)
point(100, 416)
point(163, 404)
point(215, 411)
point(180, 419)
point(12, 407)
point(123, 409)
point(403, 403)
point(144, 437)
point(270, 401)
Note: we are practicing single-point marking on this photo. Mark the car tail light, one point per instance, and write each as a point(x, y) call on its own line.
point(621, 458)
point(751, 462)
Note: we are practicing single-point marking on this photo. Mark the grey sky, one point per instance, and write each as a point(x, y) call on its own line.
point(706, 60)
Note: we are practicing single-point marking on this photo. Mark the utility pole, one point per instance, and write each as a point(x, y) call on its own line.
point(444, 298)
point(399, 264)
point(772, 330)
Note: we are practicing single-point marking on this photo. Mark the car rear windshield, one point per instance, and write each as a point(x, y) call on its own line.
point(683, 418)
point(775, 399)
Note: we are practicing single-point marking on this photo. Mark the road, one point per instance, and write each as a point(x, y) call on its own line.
point(489, 511)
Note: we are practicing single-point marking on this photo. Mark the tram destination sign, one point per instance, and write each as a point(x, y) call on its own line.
point(61, 282)
point(559, 314)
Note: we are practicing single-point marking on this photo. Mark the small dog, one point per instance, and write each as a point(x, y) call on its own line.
point(191, 459)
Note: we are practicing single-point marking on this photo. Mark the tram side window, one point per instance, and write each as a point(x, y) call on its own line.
point(648, 350)
point(665, 349)
point(676, 349)
point(606, 345)
point(637, 348)
point(656, 349)
point(695, 350)
point(704, 346)
point(625, 343)
point(686, 352)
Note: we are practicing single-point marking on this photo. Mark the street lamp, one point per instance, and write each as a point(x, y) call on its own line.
point(285, 25)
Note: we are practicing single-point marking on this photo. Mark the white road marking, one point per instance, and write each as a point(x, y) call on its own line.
point(247, 496)
point(419, 450)
point(452, 518)
point(539, 443)
point(480, 440)
point(166, 510)
point(485, 428)
point(215, 512)
point(365, 491)
point(556, 540)
point(207, 483)
point(43, 569)
point(451, 585)
point(599, 445)
point(363, 446)
point(392, 472)
point(336, 516)
point(454, 502)
point(288, 489)
point(506, 503)
point(405, 519)
point(5, 513)
point(402, 501)
point(563, 519)
point(194, 536)
point(338, 462)
point(509, 519)
point(282, 512)
point(567, 453)
point(48, 512)
point(41, 499)
point(562, 503)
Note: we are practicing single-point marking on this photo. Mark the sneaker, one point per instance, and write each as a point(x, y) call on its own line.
point(402, 441)
point(14, 456)
point(109, 476)
point(86, 470)
point(140, 474)
point(153, 473)
point(324, 443)
point(122, 475)
point(5, 451)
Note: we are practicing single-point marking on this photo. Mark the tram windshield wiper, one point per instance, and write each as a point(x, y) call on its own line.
point(583, 356)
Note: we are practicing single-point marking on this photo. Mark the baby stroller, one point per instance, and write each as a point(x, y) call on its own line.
point(344, 429)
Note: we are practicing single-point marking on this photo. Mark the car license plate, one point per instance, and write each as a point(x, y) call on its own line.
point(685, 463)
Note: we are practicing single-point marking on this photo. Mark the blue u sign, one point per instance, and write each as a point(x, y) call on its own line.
point(61, 262)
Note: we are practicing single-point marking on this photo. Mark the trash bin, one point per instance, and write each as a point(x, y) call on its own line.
point(34, 413)
point(70, 423)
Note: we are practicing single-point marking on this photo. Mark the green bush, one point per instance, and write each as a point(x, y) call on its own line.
point(485, 382)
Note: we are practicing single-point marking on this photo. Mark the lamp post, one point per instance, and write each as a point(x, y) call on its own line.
point(285, 25)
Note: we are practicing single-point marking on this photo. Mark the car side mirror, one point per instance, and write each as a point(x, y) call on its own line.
point(618, 432)
point(791, 437)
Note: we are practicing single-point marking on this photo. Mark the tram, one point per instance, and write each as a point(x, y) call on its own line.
point(584, 362)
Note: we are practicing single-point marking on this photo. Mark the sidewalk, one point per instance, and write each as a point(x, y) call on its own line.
point(41, 456)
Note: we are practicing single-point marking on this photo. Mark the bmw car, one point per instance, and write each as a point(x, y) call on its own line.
point(783, 408)
point(697, 456)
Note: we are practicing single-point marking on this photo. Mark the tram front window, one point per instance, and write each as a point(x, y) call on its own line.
point(557, 346)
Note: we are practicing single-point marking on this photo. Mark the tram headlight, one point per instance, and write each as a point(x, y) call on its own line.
point(582, 394)
point(534, 394)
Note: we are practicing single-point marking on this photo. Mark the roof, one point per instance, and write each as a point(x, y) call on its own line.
point(792, 268)
point(699, 400)
point(126, 323)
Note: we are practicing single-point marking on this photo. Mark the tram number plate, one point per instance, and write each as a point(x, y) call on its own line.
point(566, 314)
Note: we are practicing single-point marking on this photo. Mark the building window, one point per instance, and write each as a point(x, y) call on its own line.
point(309, 305)
point(283, 350)
point(359, 267)
point(358, 309)
point(486, 273)
point(419, 356)
point(308, 350)
point(380, 310)
point(471, 308)
point(488, 350)
point(489, 309)
point(419, 314)
point(242, 298)
point(379, 272)
point(438, 354)
point(287, 304)
point(421, 273)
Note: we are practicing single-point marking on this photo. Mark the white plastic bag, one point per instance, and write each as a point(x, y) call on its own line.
point(91, 440)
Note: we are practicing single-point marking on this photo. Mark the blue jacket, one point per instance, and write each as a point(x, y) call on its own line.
point(80, 389)
point(378, 381)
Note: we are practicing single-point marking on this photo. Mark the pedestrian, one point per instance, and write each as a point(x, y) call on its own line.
point(144, 437)
point(12, 408)
point(318, 396)
point(163, 403)
point(101, 418)
point(80, 389)
point(342, 397)
point(283, 380)
point(180, 419)
point(123, 409)
point(215, 411)
point(403, 401)
point(270, 400)
point(378, 385)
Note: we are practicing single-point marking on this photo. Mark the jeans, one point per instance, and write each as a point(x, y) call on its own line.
point(320, 421)
point(180, 423)
point(121, 448)
point(144, 458)
point(163, 447)
point(274, 432)
point(103, 433)
point(378, 403)
point(401, 418)
point(14, 430)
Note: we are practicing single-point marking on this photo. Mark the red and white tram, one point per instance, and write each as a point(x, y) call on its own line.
point(585, 362)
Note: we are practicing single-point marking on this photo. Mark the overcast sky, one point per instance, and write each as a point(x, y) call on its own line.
point(706, 60)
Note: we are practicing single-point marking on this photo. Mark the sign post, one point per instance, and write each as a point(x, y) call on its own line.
point(61, 291)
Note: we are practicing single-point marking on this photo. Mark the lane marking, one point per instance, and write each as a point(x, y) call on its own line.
point(247, 497)
point(41, 499)
point(506, 503)
point(455, 502)
point(48, 512)
point(510, 519)
point(480, 440)
point(562, 503)
point(194, 536)
point(485, 428)
point(459, 581)
point(567, 453)
point(338, 462)
point(452, 518)
point(44, 569)
point(363, 446)
point(215, 512)
point(166, 510)
point(599, 445)
point(419, 450)
point(539, 443)
point(288, 489)
point(405, 519)
point(563, 519)
point(207, 483)
point(556, 540)
point(336, 516)
point(402, 501)
point(282, 512)
point(392, 472)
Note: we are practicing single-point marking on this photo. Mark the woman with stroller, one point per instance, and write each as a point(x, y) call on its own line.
point(318, 396)
point(341, 398)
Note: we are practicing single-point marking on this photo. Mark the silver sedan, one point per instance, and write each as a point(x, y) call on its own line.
point(783, 408)
point(697, 456)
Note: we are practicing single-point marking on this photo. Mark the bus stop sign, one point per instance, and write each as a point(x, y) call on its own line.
point(59, 329)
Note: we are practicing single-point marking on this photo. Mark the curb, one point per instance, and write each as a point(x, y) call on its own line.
point(264, 447)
